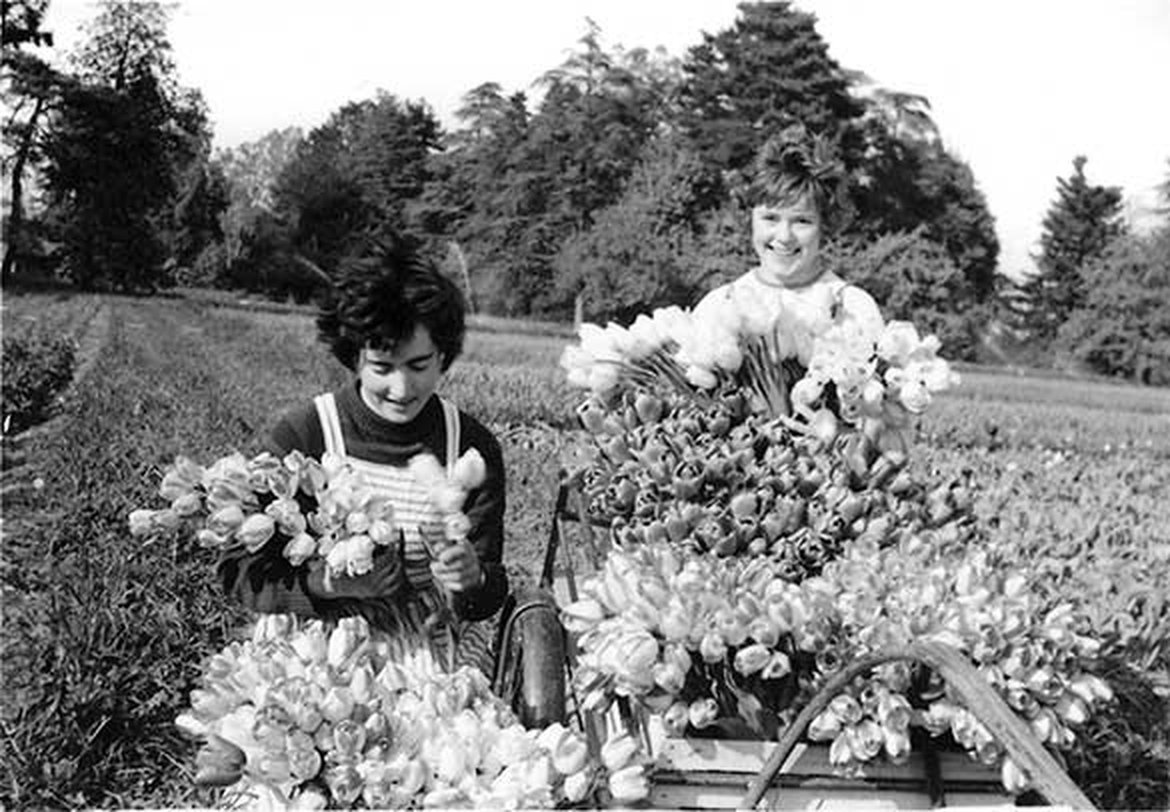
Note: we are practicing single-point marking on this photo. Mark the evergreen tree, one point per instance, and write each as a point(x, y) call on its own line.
point(121, 153)
point(28, 88)
point(355, 176)
point(516, 186)
point(1122, 327)
point(479, 197)
point(1080, 225)
point(772, 68)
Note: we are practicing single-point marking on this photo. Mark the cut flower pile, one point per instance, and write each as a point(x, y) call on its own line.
point(306, 716)
point(766, 529)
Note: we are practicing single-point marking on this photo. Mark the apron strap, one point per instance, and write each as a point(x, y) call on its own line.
point(451, 423)
point(330, 424)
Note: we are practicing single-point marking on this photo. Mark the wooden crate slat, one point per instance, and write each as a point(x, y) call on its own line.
point(744, 756)
point(679, 796)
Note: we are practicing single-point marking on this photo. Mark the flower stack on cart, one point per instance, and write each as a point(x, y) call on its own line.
point(764, 529)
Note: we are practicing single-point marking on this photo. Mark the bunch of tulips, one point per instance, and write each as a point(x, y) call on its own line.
point(717, 477)
point(307, 716)
point(732, 646)
point(309, 509)
point(867, 373)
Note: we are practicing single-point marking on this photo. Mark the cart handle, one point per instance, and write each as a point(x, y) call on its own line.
point(1034, 761)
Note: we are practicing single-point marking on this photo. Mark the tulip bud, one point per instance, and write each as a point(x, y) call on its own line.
point(825, 726)
point(676, 527)
point(337, 704)
point(592, 417)
point(309, 799)
point(753, 658)
point(255, 531)
point(299, 549)
point(1091, 688)
point(1072, 709)
point(712, 648)
point(648, 408)
point(675, 719)
point(629, 784)
point(846, 708)
point(470, 470)
point(669, 677)
point(344, 640)
point(618, 752)
point(894, 711)
point(382, 532)
point(840, 751)
point(219, 763)
point(583, 615)
point(187, 505)
point(744, 504)
point(777, 667)
point(304, 761)
point(764, 631)
point(361, 684)
point(448, 497)
point(570, 755)
point(703, 712)
point(897, 745)
point(344, 782)
point(141, 523)
point(225, 520)
point(577, 786)
point(456, 526)
point(310, 644)
point(1013, 778)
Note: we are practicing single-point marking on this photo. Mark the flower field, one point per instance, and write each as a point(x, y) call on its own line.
point(104, 639)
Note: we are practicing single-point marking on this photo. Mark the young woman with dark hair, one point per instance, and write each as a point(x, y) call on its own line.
point(398, 324)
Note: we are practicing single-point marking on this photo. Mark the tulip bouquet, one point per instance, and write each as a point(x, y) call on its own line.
point(730, 646)
point(305, 716)
point(869, 375)
point(311, 509)
point(721, 479)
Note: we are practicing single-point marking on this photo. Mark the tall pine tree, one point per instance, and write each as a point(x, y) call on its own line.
point(1083, 221)
point(744, 84)
point(124, 155)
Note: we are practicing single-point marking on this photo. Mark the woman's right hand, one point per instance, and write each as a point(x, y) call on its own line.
point(384, 580)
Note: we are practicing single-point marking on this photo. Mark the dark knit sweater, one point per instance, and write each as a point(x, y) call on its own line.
point(266, 582)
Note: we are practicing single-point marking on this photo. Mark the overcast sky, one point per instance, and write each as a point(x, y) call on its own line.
point(1017, 87)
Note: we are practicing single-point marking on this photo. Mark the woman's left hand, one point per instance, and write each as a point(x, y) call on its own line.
point(456, 567)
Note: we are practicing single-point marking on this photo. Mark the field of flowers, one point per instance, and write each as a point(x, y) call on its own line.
point(103, 639)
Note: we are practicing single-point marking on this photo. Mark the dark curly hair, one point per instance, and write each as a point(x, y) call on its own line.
point(794, 164)
point(380, 296)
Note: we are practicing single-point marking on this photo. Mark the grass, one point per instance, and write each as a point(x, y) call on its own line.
point(103, 639)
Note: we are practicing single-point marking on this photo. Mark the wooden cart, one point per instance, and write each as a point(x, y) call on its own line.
point(695, 773)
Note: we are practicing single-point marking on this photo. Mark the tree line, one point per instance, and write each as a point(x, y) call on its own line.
point(609, 191)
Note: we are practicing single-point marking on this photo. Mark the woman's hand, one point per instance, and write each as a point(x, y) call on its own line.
point(383, 581)
point(456, 566)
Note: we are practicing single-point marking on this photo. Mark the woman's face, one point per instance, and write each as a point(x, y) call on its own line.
point(787, 240)
point(397, 383)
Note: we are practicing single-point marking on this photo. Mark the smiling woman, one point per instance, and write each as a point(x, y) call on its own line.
point(398, 325)
point(796, 194)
